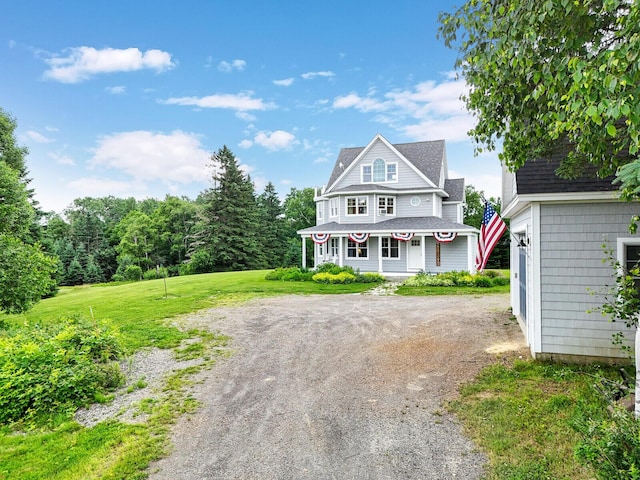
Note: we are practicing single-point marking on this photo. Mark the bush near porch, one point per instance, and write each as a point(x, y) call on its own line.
point(325, 273)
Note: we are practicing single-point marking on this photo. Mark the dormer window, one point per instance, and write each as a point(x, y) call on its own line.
point(379, 172)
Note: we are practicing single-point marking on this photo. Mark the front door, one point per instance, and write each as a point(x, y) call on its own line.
point(414, 254)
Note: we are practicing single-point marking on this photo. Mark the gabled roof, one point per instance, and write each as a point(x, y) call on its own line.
point(539, 176)
point(427, 157)
point(455, 188)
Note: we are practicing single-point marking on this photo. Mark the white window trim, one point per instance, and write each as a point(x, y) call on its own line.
point(366, 242)
point(386, 173)
point(362, 180)
point(356, 199)
point(389, 257)
point(385, 214)
point(334, 207)
point(621, 253)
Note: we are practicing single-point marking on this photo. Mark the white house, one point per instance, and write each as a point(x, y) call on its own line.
point(559, 228)
point(392, 209)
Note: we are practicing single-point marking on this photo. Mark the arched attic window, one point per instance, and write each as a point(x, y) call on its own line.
point(379, 170)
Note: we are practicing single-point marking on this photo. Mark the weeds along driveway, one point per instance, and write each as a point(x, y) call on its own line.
point(339, 387)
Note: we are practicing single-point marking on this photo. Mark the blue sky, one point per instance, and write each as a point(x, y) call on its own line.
point(132, 98)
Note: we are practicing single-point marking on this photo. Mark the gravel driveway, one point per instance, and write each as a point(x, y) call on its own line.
point(340, 387)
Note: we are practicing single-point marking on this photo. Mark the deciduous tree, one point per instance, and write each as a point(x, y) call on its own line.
point(553, 78)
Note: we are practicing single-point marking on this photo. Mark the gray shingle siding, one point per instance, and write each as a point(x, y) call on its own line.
point(571, 254)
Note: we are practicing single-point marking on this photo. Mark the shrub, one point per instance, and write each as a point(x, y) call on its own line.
point(611, 447)
point(427, 280)
point(117, 277)
point(154, 274)
point(500, 281)
point(326, 277)
point(133, 272)
point(334, 269)
point(482, 281)
point(492, 274)
point(369, 278)
point(55, 370)
point(290, 274)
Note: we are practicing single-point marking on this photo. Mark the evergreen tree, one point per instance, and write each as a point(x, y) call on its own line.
point(272, 227)
point(231, 217)
point(26, 273)
point(75, 273)
point(92, 272)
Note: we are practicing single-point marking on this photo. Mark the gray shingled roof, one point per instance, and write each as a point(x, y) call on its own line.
point(404, 225)
point(427, 157)
point(539, 177)
point(455, 188)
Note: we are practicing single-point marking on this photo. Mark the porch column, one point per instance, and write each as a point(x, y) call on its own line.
point(304, 252)
point(340, 255)
point(424, 252)
point(471, 246)
point(379, 253)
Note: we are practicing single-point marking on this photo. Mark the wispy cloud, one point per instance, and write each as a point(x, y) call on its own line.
point(228, 67)
point(117, 90)
point(38, 137)
point(82, 63)
point(429, 110)
point(240, 102)
point(285, 82)
point(312, 75)
point(62, 159)
point(177, 157)
point(278, 140)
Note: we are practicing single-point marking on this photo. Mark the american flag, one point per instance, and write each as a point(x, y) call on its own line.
point(490, 232)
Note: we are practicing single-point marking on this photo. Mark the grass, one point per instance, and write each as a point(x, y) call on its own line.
point(524, 415)
point(428, 291)
point(140, 309)
point(61, 449)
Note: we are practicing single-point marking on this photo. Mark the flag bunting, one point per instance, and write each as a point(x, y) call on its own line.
point(445, 237)
point(320, 238)
point(404, 237)
point(359, 237)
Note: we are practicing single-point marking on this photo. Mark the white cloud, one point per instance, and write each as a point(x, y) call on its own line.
point(245, 144)
point(285, 182)
point(146, 156)
point(490, 184)
point(321, 160)
point(247, 117)
point(285, 82)
point(278, 140)
point(51, 129)
point(241, 102)
point(364, 104)
point(62, 159)
point(82, 63)
point(117, 90)
point(226, 67)
point(38, 137)
point(312, 75)
point(101, 187)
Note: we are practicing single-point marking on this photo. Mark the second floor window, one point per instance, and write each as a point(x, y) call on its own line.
point(386, 206)
point(357, 205)
point(333, 207)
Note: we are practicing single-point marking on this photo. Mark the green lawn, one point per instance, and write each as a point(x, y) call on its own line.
point(139, 309)
point(60, 449)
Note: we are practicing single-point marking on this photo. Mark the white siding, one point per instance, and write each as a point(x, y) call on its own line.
point(573, 275)
point(322, 212)
point(508, 186)
point(407, 177)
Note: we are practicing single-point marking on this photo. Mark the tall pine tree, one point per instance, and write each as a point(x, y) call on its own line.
point(231, 217)
point(272, 227)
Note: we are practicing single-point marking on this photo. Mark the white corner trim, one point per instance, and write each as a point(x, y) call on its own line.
point(536, 298)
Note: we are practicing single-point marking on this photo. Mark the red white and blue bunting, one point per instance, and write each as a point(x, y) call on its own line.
point(320, 238)
point(359, 237)
point(404, 237)
point(445, 237)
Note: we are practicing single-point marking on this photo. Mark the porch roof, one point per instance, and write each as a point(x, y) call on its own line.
point(394, 225)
